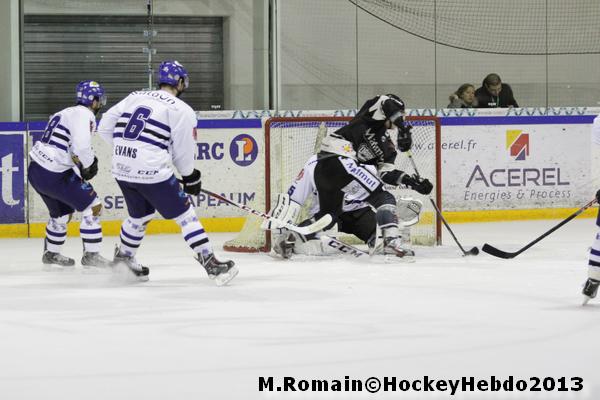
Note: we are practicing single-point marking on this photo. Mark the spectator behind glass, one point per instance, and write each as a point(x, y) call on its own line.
point(493, 93)
point(464, 97)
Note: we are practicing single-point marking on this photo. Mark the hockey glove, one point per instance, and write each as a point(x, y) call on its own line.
point(91, 171)
point(192, 183)
point(404, 138)
point(417, 184)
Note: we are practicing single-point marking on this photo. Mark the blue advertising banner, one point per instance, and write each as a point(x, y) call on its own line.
point(12, 200)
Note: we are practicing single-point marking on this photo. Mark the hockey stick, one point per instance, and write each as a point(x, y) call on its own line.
point(303, 230)
point(473, 251)
point(356, 254)
point(344, 248)
point(504, 254)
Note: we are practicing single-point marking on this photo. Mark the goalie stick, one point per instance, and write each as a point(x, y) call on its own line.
point(504, 254)
point(344, 248)
point(303, 230)
point(473, 251)
point(356, 254)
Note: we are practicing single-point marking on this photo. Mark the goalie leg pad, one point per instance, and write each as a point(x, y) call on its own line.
point(286, 243)
point(409, 210)
point(313, 247)
point(285, 210)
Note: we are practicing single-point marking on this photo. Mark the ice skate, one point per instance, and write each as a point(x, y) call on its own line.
point(93, 260)
point(123, 260)
point(283, 245)
point(56, 261)
point(221, 271)
point(394, 246)
point(590, 289)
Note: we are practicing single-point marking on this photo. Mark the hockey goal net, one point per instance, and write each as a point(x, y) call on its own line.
point(290, 142)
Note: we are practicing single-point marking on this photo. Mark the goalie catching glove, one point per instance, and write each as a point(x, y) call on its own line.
point(285, 210)
point(408, 210)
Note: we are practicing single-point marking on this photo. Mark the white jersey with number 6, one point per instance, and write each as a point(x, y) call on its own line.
point(150, 131)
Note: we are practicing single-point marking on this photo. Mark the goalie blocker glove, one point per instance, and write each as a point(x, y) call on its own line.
point(416, 183)
point(91, 171)
point(192, 183)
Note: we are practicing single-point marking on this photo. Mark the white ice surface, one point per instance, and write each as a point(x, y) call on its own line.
point(79, 336)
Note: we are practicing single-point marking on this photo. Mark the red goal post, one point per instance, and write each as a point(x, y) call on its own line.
point(290, 141)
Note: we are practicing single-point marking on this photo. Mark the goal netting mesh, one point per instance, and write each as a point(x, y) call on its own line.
point(290, 142)
point(491, 26)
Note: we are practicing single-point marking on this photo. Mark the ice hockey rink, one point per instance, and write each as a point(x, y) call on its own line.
point(70, 335)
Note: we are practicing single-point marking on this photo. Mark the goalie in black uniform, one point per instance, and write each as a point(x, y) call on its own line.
point(352, 167)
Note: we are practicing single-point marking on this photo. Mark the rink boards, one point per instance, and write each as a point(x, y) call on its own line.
point(494, 168)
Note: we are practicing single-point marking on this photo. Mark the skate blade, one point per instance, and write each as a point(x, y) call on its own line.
point(122, 273)
point(93, 270)
point(586, 300)
point(392, 259)
point(223, 279)
point(278, 256)
point(57, 268)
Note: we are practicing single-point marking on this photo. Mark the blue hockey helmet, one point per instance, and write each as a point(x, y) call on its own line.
point(169, 73)
point(88, 91)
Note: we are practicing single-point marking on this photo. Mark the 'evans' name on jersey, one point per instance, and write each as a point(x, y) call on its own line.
point(125, 151)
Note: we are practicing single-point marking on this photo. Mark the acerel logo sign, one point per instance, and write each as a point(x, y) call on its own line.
point(517, 143)
point(243, 150)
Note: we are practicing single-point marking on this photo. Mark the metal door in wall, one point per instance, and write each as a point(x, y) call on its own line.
point(61, 50)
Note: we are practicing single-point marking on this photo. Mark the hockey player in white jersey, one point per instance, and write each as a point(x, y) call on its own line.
point(357, 217)
point(61, 163)
point(151, 132)
point(590, 289)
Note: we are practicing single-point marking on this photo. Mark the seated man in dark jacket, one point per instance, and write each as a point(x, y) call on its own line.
point(493, 93)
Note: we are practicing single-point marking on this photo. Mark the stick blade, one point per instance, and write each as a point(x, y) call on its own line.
point(473, 252)
point(316, 226)
point(491, 250)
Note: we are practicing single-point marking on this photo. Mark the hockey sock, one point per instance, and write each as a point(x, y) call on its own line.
point(132, 233)
point(594, 262)
point(193, 232)
point(56, 233)
point(90, 231)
